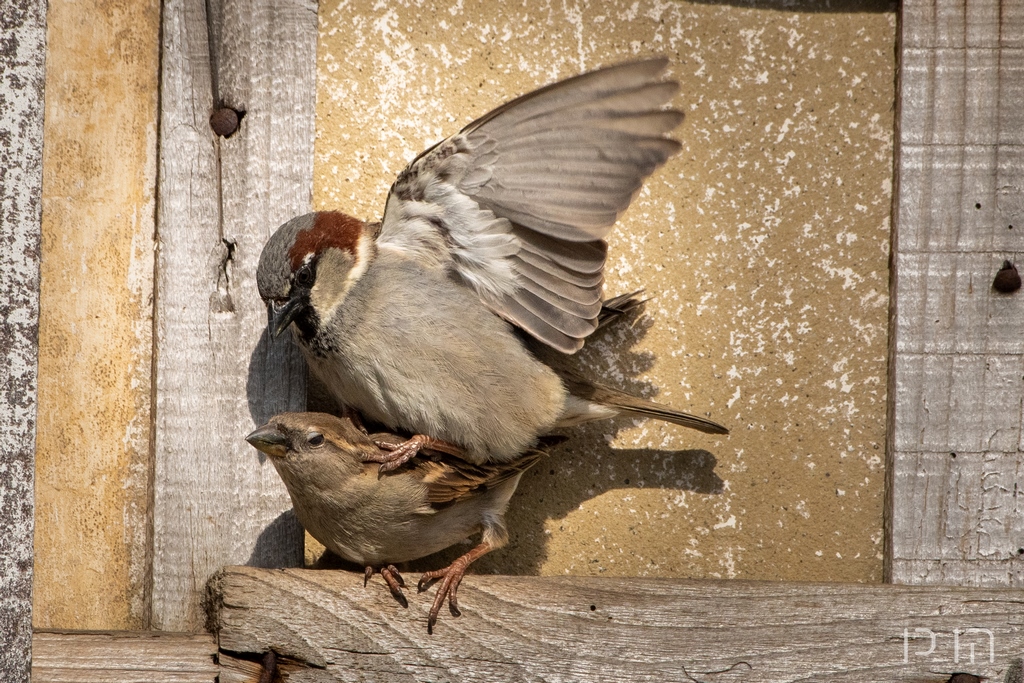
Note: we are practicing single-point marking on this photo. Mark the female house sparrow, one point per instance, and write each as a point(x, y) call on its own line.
point(412, 322)
point(377, 521)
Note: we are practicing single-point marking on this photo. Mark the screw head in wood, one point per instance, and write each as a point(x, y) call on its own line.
point(1007, 280)
point(224, 121)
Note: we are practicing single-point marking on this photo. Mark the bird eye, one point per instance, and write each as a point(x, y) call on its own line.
point(315, 439)
point(304, 276)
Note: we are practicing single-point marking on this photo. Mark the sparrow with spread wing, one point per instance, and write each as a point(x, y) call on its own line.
point(491, 236)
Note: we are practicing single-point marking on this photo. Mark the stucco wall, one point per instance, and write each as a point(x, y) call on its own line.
point(762, 246)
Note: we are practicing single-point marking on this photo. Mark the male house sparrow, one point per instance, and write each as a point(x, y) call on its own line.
point(377, 521)
point(413, 321)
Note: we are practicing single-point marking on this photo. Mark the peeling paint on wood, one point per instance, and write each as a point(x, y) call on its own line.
point(22, 57)
point(958, 362)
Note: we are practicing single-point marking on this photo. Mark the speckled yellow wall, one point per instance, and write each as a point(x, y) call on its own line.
point(762, 246)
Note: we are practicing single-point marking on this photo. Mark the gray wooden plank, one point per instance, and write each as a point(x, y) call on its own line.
point(971, 521)
point(326, 626)
point(123, 657)
point(960, 198)
point(217, 375)
point(953, 403)
point(957, 358)
point(22, 56)
point(947, 299)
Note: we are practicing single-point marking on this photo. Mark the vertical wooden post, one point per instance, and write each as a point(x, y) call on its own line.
point(94, 446)
point(217, 373)
point(23, 27)
point(957, 371)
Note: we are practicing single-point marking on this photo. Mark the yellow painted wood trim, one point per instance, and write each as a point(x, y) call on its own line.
point(95, 328)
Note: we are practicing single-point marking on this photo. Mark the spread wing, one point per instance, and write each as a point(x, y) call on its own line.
point(518, 203)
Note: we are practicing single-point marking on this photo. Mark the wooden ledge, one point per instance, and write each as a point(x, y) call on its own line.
point(323, 625)
point(123, 657)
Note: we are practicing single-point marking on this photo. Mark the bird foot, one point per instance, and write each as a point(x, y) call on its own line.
point(451, 577)
point(394, 455)
point(392, 578)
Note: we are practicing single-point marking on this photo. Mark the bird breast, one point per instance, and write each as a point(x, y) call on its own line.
point(414, 349)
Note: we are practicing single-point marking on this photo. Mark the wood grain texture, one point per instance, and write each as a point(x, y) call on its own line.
point(324, 626)
point(93, 453)
point(217, 376)
point(123, 657)
point(22, 52)
point(957, 370)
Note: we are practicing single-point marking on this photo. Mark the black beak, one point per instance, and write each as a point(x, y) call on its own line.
point(270, 440)
point(280, 316)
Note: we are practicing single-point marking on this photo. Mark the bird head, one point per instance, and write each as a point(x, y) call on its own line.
point(312, 441)
point(308, 266)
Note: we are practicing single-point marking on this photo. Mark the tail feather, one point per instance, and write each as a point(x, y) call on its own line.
point(589, 401)
point(619, 306)
point(678, 417)
point(603, 401)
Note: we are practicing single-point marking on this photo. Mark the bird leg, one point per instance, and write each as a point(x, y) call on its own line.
point(392, 578)
point(452, 577)
point(355, 418)
point(394, 455)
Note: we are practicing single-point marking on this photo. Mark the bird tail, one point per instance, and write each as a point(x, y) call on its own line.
point(619, 306)
point(637, 407)
point(590, 401)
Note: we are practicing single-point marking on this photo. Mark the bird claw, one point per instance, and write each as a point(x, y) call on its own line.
point(393, 455)
point(451, 576)
point(392, 578)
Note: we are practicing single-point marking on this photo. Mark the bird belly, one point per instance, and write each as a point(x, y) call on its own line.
point(376, 542)
point(437, 362)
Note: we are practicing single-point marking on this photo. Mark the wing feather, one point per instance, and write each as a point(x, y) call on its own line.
point(581, 257)
point(528, 264)
point(519, 202)
point(449, 479)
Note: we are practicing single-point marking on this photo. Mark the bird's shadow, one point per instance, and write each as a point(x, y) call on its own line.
point(276, 381)
point(276, 545)
point(584, 466)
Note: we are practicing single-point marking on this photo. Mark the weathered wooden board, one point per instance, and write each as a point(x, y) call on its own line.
point(957, 365)
point(123, 657)
point(217, 376)
point(94, 447)
point(324, 626)
point(23, 41)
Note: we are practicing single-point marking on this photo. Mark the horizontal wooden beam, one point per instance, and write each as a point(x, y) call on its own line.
point(325, 625)
point(123, 657)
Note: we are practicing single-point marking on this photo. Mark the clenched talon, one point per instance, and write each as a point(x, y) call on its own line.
point(393, 456)
point(451, 578)
point(392, 578)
